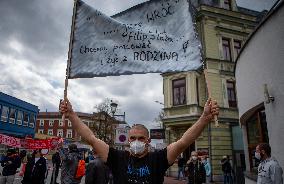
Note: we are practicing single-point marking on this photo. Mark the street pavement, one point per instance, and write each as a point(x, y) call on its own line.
point(171, 180)
point(18, 179)
point(168, 180)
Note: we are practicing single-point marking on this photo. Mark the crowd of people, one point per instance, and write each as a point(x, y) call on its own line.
point(106, 165)
point(34, 167)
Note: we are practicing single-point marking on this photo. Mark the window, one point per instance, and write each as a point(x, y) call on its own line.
point(69, 124)
point(50, 132)
point(51, 123)
point(179, 92)
point(20, 117)
point(60, 123)
point(69, 133)
point(40, 131)
point(4, 114)
point(237, 47)
point(26, 119)
point(60, 133)
point(12, 116)
point(231, 91)
point(256, 133)
point(32, 120)
point(227, 4)
point(226, 49)
point(41, 122)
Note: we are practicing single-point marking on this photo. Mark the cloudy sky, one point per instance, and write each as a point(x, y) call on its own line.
point(34, 38)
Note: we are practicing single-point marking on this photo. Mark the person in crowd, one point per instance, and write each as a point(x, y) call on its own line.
point(139, 165)
point(89, 157)
point(70, 160)
point(23, 154)
point(10, 163)
point(269, 171)
point(35, 172)
point(227, 169)
point(181, 166)
point(207, 167)
point(56, 162)
point(97, 171)
point(195, 169)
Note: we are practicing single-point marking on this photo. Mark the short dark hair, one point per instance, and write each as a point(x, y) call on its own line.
point(266, 147)
point(11, 151)
point(72, 147)
point(36, 151)
point(140, 127)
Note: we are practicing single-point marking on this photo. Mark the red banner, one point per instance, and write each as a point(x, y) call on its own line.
point(10, 141)
point(36, 144)
point(30, 143)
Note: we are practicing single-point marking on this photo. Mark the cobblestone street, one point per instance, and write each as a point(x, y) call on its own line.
point(18, 179)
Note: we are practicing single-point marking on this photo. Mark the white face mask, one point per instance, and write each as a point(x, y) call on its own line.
point(137, 147)
point(257, 155)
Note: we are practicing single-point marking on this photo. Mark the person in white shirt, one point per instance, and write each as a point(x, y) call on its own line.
point(269, 171)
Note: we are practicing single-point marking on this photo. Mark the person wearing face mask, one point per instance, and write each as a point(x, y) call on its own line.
point(195, 169)
point(35, 171)
point(138, 165)
point(207, 167)
point(227, 170)
point(70, 159)
point(269, 171)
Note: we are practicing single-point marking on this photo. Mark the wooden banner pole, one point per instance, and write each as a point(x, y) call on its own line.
point(69, 53)
point(210, 95)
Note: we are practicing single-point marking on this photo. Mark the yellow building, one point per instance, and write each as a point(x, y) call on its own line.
point(223, 28)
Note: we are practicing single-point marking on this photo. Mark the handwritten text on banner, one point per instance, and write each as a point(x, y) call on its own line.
point(153, 37)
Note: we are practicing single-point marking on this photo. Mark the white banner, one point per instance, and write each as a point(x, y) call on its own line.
point(153, 37)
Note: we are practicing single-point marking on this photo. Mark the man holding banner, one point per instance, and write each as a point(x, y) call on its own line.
point(138, 165)
point(157, 36)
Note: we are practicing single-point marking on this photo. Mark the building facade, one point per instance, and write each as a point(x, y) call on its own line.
point(17, 117)
point(260, 84)
point(223, 27)
point(102, 124)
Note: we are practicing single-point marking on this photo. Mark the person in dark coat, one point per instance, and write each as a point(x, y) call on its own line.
point(56, 161)
point(196, 170)
point(97, 172)
point(10, 163)
point(35, 171)
point(181, 165)
point(227, 170)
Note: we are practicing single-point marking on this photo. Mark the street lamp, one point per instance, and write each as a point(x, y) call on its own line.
point(113, 107)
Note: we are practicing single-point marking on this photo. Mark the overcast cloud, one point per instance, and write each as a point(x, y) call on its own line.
point(34, 38)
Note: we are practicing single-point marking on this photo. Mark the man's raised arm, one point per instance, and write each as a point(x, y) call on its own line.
point(176, 148)
point(84, 131)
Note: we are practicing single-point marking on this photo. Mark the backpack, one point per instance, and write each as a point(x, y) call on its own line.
point(81, 169)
